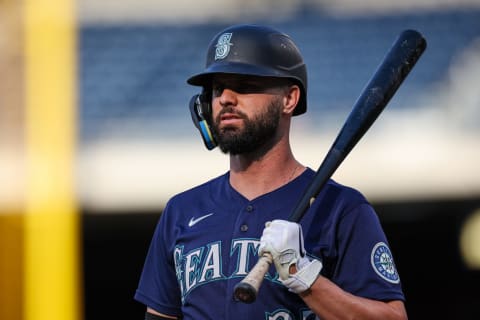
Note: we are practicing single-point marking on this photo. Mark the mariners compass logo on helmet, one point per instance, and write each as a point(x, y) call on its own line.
point(223, 46)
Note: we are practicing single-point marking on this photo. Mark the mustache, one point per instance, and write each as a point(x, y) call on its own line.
point(232, 111)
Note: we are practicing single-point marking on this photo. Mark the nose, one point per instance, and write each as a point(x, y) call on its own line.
point(227, 97)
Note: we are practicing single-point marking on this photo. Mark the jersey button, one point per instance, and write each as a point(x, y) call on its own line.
point(243, 227)
point(249, 208)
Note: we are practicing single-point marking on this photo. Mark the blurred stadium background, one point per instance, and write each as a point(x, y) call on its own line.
point(95, 136)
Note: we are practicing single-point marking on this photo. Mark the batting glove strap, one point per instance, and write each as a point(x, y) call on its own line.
point(303, 279)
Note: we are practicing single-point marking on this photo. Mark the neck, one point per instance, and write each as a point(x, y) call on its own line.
point(253, 176)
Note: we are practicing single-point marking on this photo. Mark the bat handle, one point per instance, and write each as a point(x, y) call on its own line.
point(247, 289)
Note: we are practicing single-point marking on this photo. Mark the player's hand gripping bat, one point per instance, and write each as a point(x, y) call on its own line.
point(395, 67)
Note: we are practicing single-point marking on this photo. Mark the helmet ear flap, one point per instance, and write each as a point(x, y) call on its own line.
point(201, 111)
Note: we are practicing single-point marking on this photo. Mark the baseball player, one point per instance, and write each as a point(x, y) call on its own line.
point(335, 264)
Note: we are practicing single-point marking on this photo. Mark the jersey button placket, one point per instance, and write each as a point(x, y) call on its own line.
point(248, 209)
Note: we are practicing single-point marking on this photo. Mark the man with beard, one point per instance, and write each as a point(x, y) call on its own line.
point(334, 264)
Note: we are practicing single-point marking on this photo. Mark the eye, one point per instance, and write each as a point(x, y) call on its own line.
point(249, 87)
point(217, 90)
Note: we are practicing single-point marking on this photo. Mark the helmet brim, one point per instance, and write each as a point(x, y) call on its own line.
point(204, 79)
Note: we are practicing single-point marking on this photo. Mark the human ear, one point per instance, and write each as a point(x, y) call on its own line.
point(291, 98)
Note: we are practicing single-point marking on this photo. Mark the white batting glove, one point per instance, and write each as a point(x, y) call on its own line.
point(284, 241)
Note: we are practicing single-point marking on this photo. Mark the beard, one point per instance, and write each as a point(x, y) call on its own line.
point(258, 133)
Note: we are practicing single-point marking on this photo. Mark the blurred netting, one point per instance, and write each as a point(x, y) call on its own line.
point(132, 78)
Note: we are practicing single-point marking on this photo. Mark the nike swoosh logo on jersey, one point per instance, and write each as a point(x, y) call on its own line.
point(193, 221)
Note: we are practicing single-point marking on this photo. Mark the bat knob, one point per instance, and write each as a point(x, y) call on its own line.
point(245, 292)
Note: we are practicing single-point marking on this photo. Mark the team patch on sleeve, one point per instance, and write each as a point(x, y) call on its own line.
point(382, 263)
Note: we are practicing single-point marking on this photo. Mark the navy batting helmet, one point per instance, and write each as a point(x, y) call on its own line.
point(255, 50)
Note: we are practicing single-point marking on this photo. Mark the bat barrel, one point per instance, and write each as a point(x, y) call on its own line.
point(396, 65)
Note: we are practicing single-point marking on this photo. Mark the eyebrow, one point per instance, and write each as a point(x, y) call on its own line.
point(252, 80)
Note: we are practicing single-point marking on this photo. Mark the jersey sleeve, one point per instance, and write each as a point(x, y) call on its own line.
point(365, 265)
point(158, 287)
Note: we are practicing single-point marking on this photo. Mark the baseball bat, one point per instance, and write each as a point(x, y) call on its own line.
point(394, 68)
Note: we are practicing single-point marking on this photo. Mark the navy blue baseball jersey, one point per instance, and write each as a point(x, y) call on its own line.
point(207, 239)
